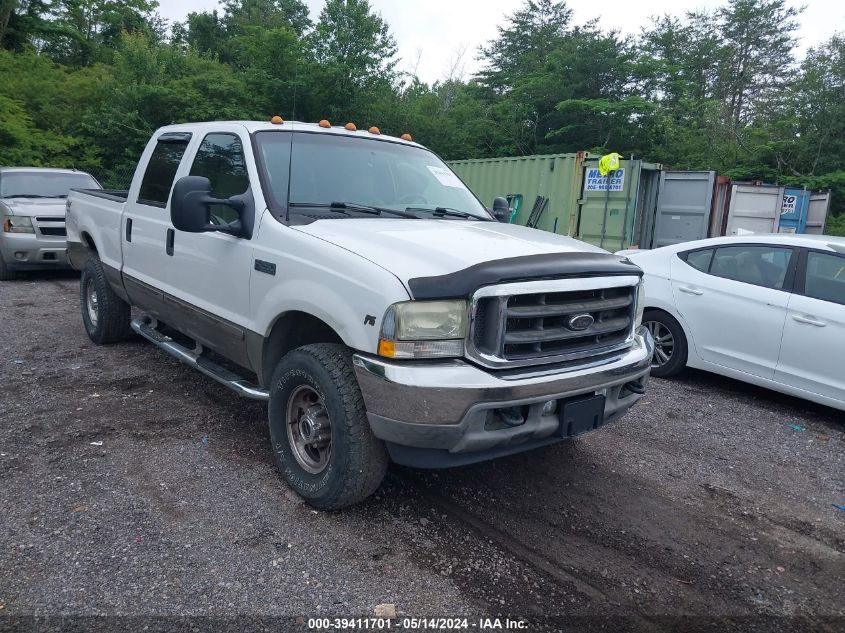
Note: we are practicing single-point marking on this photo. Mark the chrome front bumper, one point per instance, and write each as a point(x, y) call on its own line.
point(444, 406)
point(28, 251)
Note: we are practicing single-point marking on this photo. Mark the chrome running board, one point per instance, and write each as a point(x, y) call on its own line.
point(201, 363)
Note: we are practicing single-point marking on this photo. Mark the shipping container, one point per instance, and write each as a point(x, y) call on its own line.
point(553, 178)
point(684, 208)
point(793, 211)
point(566, 194)
point(817, 211)
point(616, 211)
point(721, 206)
point(754, 208)
point(763, 208)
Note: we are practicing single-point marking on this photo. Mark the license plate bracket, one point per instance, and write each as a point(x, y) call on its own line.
point(580, 416)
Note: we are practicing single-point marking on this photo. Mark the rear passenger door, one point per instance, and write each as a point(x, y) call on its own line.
point(734, 300)
point(813, 351)
point(146, 222)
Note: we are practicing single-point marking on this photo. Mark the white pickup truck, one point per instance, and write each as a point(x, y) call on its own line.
point(352, 281)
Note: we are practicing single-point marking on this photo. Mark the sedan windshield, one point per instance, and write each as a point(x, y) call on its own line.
point(327, 170)
point(43, 184)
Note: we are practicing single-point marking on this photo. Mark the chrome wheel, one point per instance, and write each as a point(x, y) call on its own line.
point(91, 303)
point(664, 343)
point(309, 429)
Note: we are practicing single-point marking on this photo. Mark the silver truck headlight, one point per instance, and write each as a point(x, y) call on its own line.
point(638, 321)
point(17, 224)
point(423, 329)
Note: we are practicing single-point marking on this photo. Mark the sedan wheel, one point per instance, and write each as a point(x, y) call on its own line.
point(664, 343)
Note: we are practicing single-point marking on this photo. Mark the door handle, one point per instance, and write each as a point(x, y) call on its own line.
point(808, 320)
point(691, 291)
point(128, 229)
point(169, 244)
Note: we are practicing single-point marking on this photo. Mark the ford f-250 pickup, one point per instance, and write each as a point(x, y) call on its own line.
point(352, 281)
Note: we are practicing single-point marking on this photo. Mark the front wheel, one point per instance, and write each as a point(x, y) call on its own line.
point(104, 315)
point(5, 273)
point(321, 439)
point(670, 344)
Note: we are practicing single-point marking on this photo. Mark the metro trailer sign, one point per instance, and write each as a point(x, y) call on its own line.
point(615, 181)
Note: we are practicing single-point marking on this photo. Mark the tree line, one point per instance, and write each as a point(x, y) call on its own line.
point(85, 82)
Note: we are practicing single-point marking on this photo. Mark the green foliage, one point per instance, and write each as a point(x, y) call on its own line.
point(85, 82)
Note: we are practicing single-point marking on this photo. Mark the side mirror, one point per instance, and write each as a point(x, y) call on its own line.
point(189, 207)
point(501, 210)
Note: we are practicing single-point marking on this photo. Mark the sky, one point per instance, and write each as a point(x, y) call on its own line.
point(436, 38)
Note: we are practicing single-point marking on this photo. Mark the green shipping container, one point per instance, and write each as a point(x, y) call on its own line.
point(521, 179)
point(605, 211)
point(614, 211)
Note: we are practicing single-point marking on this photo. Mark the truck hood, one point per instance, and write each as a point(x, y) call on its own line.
point(47, 207)
point(430, 248)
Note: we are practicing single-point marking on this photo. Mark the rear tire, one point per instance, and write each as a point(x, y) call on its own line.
point(105, 315)
point(670, 343)
point(321, 439)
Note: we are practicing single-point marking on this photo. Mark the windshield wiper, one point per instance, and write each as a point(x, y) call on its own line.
point(27, 195)
point(345, 207)
point(441, 211)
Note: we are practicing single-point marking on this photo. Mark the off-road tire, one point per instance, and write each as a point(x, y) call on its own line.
point(113, 317)
point(678, 361)
point(358, 460)
point(5, 273)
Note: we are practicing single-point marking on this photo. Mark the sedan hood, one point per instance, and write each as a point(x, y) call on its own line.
point(429, 248)
point(47, 207)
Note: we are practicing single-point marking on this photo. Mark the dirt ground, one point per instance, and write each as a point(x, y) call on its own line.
point(131, 485)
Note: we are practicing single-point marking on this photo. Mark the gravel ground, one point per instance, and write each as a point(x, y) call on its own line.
point(131, 485)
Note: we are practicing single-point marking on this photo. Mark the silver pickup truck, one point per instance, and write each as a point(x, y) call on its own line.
point(352, 281)
point(32, 214)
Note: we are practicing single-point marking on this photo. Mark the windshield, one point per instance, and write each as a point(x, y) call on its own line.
point(43, 184)
point(329, 168)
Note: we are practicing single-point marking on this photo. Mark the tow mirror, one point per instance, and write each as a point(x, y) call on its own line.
point(501, 210)
point(190, 207)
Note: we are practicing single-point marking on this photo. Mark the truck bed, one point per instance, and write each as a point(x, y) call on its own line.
point(95, 216)
point(118, 195)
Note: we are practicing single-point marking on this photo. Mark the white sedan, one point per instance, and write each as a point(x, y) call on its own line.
point(766, 309)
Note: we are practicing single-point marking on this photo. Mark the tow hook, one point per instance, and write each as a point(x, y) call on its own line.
point(635, 386)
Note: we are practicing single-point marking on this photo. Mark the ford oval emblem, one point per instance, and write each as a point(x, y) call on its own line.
point(580, 321)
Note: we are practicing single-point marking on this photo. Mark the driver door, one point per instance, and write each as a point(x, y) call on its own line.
point(210, 272)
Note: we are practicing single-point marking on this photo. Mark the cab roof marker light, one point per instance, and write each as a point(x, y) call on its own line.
point(351, 127)
point(406, 137)
point(325, 123)
point(277, 120)
point(374, 130)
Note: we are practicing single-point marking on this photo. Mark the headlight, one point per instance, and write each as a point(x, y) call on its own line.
point(423, 329)
point(640, 304)
point(17, 224)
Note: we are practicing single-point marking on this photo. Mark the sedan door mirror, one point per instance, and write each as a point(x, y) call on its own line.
point(190, 207)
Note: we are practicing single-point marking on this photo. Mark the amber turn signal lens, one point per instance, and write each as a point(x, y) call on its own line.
point(351, 127)
point(324, 123)
point(406, 137)
point(374, 130)
point(386, 348)
point(276, 120)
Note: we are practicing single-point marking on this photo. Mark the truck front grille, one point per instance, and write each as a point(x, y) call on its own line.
point(52, 230)
point(551, 326)
point(51, 225)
